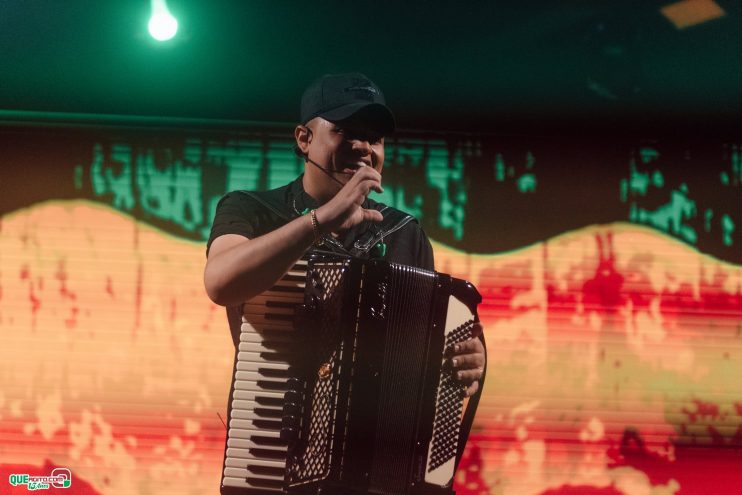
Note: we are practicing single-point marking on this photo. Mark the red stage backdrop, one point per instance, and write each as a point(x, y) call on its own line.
point(610, 273)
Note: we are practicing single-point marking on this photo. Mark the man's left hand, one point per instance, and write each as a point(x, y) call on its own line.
point(467, 361)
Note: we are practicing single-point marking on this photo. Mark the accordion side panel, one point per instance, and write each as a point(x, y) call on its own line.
point(442, 449)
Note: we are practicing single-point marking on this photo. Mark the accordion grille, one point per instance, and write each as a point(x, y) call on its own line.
point(315, 461)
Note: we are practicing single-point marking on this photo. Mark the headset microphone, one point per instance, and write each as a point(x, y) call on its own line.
point(298, 152)
point(380, 247)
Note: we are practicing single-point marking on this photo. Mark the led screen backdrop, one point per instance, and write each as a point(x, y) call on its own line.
point(611, 273)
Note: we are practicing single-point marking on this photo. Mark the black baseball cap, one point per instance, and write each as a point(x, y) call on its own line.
point(336, 97)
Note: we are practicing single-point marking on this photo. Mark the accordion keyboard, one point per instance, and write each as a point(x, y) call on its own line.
point(256, 456)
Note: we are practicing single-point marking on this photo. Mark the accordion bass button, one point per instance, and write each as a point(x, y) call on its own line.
point(291, 414)
point(289, 429)
point(291, 410)
point(291, 397)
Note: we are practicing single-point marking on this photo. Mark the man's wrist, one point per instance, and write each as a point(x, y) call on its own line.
point(316, 231)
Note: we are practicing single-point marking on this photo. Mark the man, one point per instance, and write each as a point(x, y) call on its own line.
point(257, 237)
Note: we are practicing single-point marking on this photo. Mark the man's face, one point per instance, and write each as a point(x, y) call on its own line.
point(341, 148)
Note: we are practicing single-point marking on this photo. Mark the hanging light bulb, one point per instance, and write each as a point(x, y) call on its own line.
point(162, 25)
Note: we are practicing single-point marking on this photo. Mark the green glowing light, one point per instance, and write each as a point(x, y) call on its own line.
point(727, 227)
point(162, 25)
point(527, 183)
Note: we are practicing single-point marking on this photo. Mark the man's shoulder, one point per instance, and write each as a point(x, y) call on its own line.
point(273, 200)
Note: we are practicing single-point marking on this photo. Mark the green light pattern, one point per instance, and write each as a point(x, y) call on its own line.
point(499, 168)
point(107, 181)
point(282, 163)
point(639, 182)
point(78, 176)
point(708, 216)
point(445, 173)
point(170, 191)
point(727, 225)
point(181, 184)
point(680, 210)
point(527, 183)
point(403, 164)
point(648, 154)
point(670, 217)
point(736, 165)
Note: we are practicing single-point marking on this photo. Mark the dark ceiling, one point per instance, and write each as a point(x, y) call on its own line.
point(468, 66)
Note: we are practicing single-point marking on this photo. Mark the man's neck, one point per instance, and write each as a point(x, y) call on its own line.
point(312, 189)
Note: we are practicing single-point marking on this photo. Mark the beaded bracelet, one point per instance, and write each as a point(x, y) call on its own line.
point(315, 228)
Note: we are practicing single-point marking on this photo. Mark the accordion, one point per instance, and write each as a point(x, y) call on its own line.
point(341, 384)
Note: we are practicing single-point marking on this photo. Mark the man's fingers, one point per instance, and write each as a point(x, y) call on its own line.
point(477, 329)
point(364, 174)
point(470, 346)
point(467, 361)
point(468, 377)
point(371, 184)
point(471, 389)
point(372, 215)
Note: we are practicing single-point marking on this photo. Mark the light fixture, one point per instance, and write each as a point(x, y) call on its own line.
point(687, 13)
point(162, 25)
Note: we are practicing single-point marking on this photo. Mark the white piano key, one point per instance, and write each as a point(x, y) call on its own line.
point(249, 405)
point(250, 365)
point(284, 357)
point(249, 453)
point(251, 394)
point(247, 424)
point(253, 481)
point(236, 462)
point(244, 483)
point(278, 336)
point(251, 443)
point(251, 414)
point(261, 322)
point(248, 433)
point(258, 387)
point(257, 376)
point(251, 347)
point(237, 472)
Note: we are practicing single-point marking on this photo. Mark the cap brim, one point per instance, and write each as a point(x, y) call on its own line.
point(376, 115)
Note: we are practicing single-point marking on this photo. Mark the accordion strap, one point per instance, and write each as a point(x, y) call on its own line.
point(393, 220)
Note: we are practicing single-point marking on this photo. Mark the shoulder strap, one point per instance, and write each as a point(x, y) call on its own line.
point(393, 221)
point(275, 207)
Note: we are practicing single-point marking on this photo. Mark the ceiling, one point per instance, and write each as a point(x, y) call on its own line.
point(452, 66)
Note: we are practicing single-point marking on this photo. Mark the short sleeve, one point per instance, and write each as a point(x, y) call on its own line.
point(235, 214)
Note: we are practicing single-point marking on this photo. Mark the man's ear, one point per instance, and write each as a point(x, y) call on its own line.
point(303, 136)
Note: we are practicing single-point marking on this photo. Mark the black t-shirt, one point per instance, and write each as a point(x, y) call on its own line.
point(398, 239)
